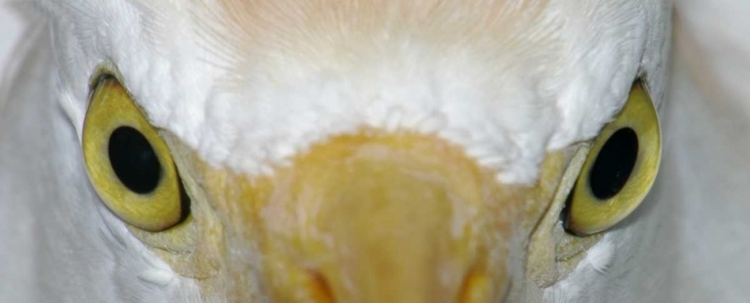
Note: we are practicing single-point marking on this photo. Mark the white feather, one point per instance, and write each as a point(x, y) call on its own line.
point(600, 256)
point(685, 244)
point(542, 85)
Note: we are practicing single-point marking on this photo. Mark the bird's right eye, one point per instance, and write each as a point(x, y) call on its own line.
point(128, 163)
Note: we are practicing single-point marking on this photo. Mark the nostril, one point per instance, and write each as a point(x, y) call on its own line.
point(475, 289)
point(320, 290)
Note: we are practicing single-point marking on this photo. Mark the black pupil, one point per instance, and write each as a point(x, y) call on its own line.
point(134, 160)
point(614, 164)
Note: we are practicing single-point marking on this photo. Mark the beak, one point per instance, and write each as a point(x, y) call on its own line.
point(373, 218)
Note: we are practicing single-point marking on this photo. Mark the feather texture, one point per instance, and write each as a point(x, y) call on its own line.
point(250, 83)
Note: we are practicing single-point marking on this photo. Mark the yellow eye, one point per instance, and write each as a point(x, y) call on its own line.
point(620, 168)
point(128, 163)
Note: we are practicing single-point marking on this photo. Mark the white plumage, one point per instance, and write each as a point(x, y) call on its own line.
point(549, 75)
point(290, 93)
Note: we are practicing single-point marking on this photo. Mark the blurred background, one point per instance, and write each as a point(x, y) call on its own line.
point(10, 31)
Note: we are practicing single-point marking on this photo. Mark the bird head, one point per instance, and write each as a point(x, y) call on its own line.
point(365, 151)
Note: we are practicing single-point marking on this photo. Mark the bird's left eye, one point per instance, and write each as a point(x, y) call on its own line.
point(129, 164)
point(619, 169)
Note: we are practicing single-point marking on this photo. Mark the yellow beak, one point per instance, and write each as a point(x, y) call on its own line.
point(373, 218)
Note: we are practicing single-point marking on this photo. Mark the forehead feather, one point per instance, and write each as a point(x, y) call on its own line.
point(249, 84)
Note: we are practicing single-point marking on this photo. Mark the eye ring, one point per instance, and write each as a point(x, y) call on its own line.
point(128, 163)
point(620, 169)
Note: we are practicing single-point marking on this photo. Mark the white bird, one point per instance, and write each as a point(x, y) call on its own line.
point(366, 151)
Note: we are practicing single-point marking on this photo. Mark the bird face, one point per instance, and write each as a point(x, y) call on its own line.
point(375, 217)
point(369, 151)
